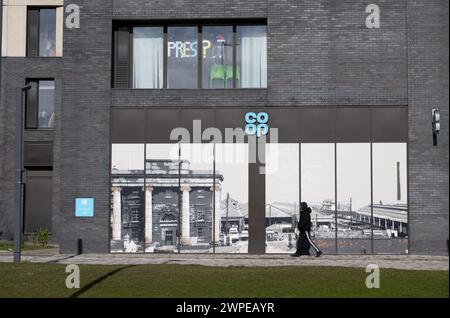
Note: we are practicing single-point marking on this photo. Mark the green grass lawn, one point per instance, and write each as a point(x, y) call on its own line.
point(48, 280)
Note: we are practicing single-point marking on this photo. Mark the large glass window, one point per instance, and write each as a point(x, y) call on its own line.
point(197, 184)
point(318, 191)
point(231, 198)
point(162, 199)
point(127, 198)
point(148, 57)
point(182, 52)
point(217, 57)
point(41, 32)
point(46, 104)
point(47, 32)
point(251, 60)
point(282, 197)
point(390, 205)
point(40, 108)
point(353, 196)
point(195, 197)
point(190, 56)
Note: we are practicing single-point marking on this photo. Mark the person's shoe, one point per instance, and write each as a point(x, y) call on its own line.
point(319, 253)
point(295, 255)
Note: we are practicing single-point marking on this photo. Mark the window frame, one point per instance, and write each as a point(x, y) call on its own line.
point(38, 8)
point(129, 25)
point(37, 80)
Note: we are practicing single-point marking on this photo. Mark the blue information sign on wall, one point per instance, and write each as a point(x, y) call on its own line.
point(84, 207)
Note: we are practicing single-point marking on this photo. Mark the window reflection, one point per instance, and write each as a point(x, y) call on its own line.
point(148, 57)
point(282, 197)
point(318, 190)
point(182, 50)
point(46, 113)
point(127, 198)
point(251, 56)
point(47, 32)
point(162, 198)
point(354, 195)
point(232, 198)
point(389, 198)
point(197, 184)
point(217, 57)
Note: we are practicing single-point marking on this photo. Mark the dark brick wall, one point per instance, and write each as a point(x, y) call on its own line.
point(428, 71)
point(83, 137)
point(14, 73)
point(319, 53)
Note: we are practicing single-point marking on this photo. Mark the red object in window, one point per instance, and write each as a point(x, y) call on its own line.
point(220, 38)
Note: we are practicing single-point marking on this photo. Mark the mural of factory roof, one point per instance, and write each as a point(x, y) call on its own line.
point(392, 211)
point(281, 210)
point(235, 210)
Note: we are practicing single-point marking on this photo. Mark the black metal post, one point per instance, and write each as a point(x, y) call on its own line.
point(18, 196)
point(18, 185)
point(79, 246)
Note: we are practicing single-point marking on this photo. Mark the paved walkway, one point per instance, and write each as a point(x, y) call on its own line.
point(408, 262)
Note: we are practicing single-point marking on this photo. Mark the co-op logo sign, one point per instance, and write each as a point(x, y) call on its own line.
point(257, 124)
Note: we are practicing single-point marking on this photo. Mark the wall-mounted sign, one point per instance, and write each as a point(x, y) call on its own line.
point(84, 207)
point(186, 49)
point(256, 124)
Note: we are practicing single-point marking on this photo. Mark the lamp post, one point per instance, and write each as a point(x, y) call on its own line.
point(19, 175)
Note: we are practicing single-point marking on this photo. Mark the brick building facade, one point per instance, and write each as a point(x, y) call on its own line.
point(324, 65)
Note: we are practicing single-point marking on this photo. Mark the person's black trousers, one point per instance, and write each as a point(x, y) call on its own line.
point(304, 243)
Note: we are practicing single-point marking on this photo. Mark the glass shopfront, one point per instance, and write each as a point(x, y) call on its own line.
point(199, 196)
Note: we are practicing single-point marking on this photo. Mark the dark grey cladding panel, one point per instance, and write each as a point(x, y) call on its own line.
point(308, 125)
point(287, 121)
point(206, 118)
point(318, 125)
point(128, 126)
point(390, 124)
point(353, 124)
point(230, 121)
point(160, 123)
point(38, 154)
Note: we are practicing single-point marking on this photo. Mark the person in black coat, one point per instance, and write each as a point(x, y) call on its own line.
point(304, 241)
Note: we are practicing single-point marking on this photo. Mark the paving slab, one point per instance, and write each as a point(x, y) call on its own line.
point(406, 262)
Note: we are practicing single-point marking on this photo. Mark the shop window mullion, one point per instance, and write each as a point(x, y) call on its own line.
point(234, 56)
point(335, 199)
point(199, 56)
point(165, 56)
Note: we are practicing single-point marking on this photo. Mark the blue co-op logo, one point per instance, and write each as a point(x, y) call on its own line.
point(257, 124)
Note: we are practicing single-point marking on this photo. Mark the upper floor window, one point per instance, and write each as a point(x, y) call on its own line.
point(218, 57)
point(182, 57)
point(190, 56)
point(41, 32)
point(39, 112)
point(148, 57)
point(251, 56)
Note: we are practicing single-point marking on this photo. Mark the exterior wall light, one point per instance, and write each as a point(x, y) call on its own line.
point(435, 120)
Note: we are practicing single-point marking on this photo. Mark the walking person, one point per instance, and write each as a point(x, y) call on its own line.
point(304, 239)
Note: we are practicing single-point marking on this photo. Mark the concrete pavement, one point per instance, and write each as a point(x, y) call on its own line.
point(406, 262)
